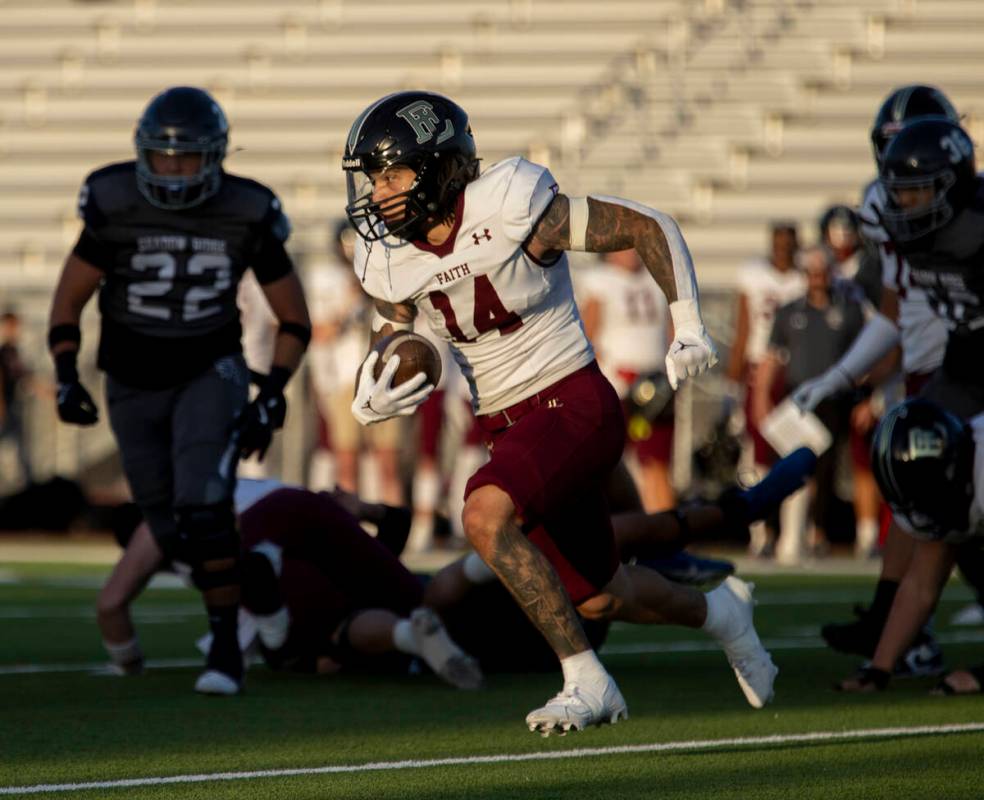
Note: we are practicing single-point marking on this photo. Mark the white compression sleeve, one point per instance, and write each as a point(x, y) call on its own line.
point(683, 263)
point(876, 340)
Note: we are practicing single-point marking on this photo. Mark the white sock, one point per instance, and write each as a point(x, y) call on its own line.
point(126, 656)
point(584, 668)
point(274, 628)
point(719, 621)
point(403, 638)
point(866, 536)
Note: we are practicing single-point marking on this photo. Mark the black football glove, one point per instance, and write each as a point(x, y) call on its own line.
point(75, 404)
point(255, 426)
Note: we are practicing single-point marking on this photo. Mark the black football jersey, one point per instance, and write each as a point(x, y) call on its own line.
point(951, 272)
point(168, 301)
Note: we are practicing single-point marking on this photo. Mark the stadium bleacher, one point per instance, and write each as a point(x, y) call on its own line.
point(726, 113)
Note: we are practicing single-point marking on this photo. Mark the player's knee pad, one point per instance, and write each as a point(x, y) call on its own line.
point(209, 543)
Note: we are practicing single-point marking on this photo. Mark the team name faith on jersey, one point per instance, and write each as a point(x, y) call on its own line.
point(511, 322)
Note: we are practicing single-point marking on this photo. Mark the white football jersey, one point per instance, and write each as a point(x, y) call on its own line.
point(510, 321)
point(632, 335)
point(923, 333)
point(766, 289)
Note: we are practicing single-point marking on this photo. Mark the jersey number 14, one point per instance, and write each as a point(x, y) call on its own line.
point(488, 314)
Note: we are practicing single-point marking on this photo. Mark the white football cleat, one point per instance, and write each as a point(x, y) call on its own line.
point(440, 652)
point(575, 708)
point(211, 681)
point(751, 661)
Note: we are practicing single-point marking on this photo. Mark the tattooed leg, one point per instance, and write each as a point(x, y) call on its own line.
point(490, 527)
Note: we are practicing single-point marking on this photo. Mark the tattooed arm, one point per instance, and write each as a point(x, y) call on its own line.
point(388, 318)
point(607, 224)
point(613, 226)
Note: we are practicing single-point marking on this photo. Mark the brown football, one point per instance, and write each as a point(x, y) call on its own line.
point(416, 354)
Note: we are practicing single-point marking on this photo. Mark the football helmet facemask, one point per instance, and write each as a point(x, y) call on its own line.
point(182, 119)
point(904, 105)
point(923, 461)
point(426, 132)
point(933, 155)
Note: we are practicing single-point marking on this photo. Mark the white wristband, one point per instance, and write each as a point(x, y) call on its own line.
point(686, 315)
point(578, 221)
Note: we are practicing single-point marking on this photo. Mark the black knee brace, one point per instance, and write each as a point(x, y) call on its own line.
point(207, 537)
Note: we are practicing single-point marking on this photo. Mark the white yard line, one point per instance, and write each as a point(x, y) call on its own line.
point(776, 740)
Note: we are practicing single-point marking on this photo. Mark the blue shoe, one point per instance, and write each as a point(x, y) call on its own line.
point(684, 567)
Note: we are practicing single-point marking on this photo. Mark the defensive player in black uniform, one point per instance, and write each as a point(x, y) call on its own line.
point(167, 238)
point(934, 213)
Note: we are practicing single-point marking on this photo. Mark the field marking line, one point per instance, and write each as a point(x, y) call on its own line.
point(587, 752)
point(641, 648)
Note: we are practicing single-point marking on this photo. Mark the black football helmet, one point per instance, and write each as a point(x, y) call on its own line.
point(182, 119)
point(923, 460)
point(934, 154)
point(424, 131)
point(903, 105)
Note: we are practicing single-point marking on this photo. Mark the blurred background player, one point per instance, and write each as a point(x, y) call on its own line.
point(907, 320)
point(627, 320)
point(166, 239)
point(856, 260)
point(320, 594)
point(764, 284)
point(14, 379)
point(808, 335)
point(366, 460)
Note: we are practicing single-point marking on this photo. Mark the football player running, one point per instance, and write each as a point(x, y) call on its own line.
point(930, 468)
point(907, 320)
point(483, 258)
point(166, 239)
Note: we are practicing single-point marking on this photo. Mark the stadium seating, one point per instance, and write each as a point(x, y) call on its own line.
point(727, 113)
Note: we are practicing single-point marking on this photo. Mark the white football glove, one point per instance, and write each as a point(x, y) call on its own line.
point(691, 351)
point(376, 400)
point(813, 392)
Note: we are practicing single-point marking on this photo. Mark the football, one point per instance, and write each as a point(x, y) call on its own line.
point(416, 354)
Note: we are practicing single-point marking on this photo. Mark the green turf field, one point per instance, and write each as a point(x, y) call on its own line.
point(690, 732)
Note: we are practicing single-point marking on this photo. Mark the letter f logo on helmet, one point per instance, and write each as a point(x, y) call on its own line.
point(421, 117)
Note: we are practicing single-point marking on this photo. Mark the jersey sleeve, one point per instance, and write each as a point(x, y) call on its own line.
point(530, 192)
point(90, 247)
point(271, 261)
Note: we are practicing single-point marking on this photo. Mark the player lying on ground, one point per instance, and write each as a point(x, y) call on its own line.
point(323, 593)
point(930, 468)
point(328, 596)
